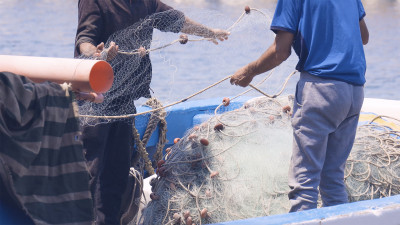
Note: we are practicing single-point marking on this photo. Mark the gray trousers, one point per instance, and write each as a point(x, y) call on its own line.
point(324, 121)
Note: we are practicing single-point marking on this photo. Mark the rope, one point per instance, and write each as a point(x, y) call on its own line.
point(134, 52)
point(142, 151)
point(155, 118)
point(162, 139)
point(201, 91)
point(161, 108)
point(193, 95)
point(280, 92)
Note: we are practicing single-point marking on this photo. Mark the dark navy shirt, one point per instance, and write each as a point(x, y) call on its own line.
point(130, 24)
point(99, 19)
point(327, 37)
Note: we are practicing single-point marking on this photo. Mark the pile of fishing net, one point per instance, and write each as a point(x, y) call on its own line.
point(231, 167)
point(235, 166)
point(373, 167)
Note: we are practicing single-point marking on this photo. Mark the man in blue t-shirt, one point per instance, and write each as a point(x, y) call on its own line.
point(328, 37)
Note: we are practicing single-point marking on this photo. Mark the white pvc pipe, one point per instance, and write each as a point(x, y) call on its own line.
point(84, 75)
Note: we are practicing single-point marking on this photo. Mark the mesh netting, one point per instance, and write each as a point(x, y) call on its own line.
point(133, 72)
point(226, 168)
point(235, 166)
point(373, 167)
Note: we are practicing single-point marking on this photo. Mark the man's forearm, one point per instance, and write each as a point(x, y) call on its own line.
point(194, 28)
point(271, 58)
point(87, 49)
point(267, 61)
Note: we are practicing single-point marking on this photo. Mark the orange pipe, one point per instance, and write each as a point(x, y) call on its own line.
point(84, 75)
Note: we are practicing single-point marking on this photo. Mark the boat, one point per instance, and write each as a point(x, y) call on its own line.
point(369, 212)
point(384, 211)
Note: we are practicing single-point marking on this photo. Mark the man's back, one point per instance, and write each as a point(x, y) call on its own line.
point(327, 37)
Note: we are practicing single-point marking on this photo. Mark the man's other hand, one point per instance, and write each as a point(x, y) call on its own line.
point(242, 77)
point(91, 96)
point(218, 34)
point(107, 54)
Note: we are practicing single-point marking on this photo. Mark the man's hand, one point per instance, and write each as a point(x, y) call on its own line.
point(242, 77)
point(107, 54)
point(219, 34)
point(194, 28)
point(92, 97)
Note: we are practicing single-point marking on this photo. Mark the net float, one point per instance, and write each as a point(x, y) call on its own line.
point(162, 171)
point(219, 127)
point(226, 101)
point(154, 197)
point(186, 214)
point(204, 142)
point(176, 140)
point(286, 109)
point(189, 221)
point(203, 213)
point(247, 9)
point(160, 163)
point(183, 39)
point(176, 217)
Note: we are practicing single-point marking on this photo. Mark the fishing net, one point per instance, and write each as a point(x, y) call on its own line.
point(157, 36)
point(226, 168)
point(373, 167)
point(235, 166)
point(132, 70)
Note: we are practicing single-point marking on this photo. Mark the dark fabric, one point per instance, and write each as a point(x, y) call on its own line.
point(108, 149)
point(99, 19)
point(132, 196)
point(117, 20)
point(108, 146)
point(11, 211)
point(41, 153)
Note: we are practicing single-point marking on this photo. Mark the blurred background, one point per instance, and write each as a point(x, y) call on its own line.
point(48, 27)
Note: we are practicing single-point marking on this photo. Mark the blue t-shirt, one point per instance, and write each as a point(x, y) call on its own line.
point(327, 37)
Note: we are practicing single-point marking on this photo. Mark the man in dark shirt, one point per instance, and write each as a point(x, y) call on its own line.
point(109, 146)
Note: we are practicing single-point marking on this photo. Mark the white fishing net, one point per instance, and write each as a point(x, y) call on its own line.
point(133, 72)
point(233, 166)
point(373, 167)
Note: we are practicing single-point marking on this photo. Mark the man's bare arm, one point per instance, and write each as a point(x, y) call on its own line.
point(277, 53)
point(194, 28)
point(364, 32)
point(89, 50)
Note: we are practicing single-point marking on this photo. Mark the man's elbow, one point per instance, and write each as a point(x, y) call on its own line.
point(365, 39)
point(282, 55)
point(364, 32)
